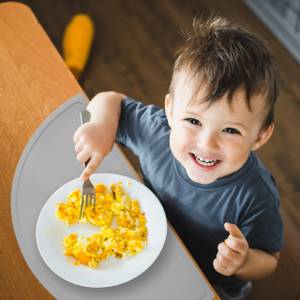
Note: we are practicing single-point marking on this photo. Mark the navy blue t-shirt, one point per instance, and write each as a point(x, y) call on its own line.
point(247, 198)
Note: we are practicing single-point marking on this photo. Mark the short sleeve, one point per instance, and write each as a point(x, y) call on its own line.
point(263, 228)
point(137, 124)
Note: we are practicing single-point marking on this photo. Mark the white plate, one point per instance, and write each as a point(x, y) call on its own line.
point(50, 233)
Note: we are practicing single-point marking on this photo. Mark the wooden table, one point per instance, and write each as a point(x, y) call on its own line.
point(34, 81)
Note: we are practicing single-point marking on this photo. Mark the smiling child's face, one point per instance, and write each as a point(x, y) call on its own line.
point(213, 141)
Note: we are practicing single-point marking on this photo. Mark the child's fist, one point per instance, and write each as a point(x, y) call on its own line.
point(232, 253)
point(90, 145)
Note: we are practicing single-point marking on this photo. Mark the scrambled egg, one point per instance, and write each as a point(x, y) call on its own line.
point(122, 226)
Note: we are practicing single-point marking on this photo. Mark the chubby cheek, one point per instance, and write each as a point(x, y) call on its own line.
point(236, 154)
point(180, 142)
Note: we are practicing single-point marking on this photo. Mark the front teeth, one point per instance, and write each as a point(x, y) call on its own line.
point(206, 162)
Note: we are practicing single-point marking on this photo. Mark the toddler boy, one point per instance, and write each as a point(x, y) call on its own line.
point(198, 156)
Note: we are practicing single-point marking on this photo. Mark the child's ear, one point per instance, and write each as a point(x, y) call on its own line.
point(263, 137)
point(168, 108)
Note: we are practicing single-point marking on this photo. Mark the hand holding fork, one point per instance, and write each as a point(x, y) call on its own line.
point(88, 195)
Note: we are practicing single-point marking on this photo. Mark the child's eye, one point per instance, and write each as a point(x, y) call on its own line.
point(231, 131)
point(193, 121)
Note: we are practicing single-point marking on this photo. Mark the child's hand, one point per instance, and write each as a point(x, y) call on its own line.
point(232, 253)
point(93, 141)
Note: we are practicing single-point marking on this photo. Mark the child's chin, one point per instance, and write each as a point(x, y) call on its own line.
point(202, 179)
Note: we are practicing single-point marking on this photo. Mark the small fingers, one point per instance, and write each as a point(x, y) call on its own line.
point(79, 147)
point(76, 136)
point(234, 230)
point(228, 252)
point(223, 261)
point(91, 166)
point(220, 267)
point(238, 245)
point(83, 155)
point(79, 133)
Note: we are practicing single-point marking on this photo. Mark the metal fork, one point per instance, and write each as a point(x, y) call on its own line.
point(88, 196)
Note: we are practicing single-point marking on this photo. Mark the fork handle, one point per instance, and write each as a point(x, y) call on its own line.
point(85, 117)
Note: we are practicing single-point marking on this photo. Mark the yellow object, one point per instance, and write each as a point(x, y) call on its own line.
point(122, 231)
point(77, 42)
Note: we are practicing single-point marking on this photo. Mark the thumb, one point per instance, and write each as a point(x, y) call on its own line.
point(234, 230)
point(91, 166)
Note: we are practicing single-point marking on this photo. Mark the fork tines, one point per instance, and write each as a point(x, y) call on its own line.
point(87, 200)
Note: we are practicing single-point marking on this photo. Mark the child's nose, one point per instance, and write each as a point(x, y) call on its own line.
point(207, 141)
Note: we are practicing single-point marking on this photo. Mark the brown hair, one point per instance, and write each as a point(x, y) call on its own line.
point(226, 58)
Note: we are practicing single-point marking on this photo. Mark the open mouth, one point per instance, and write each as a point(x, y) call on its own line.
point(205, 162)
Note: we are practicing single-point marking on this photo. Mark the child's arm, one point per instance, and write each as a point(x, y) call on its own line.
point(95, 139)
point(258, 264)
point(234, 257)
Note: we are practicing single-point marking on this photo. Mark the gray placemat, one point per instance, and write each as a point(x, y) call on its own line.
point(47, 162)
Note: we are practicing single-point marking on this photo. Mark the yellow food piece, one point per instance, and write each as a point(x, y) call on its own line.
point(77, 42)
point(113, 206)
